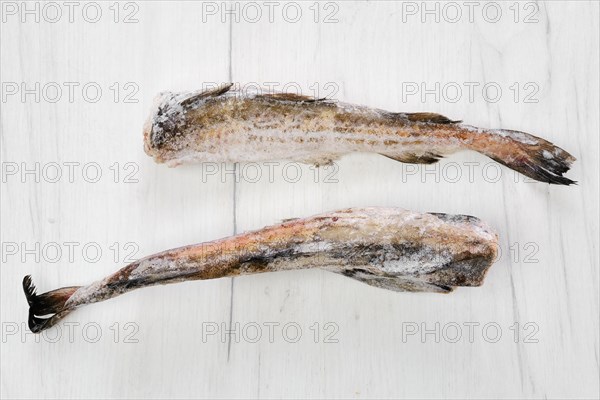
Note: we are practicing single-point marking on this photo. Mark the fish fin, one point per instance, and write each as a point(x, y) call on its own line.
point(530, 155)
point(323, 161)
point(456, 218)
point(215, 92)
point(412, 158)
point(466, 272)
point(431, 118)
point(395, 283)
point(293, 97)
point(50, 303)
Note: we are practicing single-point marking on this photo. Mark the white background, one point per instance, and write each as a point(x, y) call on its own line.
point(547, 275)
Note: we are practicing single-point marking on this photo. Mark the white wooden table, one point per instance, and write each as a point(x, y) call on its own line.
point(531, 331)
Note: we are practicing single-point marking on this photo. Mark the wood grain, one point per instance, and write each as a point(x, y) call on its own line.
point(544, 286)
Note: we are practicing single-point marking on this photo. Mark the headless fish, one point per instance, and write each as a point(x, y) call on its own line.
point(228, 125)
point(389, 248)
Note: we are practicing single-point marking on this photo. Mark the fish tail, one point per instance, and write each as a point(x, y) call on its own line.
point(48, 308)
point(530, 155)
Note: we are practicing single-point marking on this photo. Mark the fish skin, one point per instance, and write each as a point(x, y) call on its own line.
point(230, 125)
point(390, 248)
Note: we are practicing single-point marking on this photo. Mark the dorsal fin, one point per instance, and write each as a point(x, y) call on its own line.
point(299, 98)
point(208, 93)
point(430, 118)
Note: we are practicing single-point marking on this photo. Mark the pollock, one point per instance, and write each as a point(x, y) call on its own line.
point(230, 125)
point(388, 248)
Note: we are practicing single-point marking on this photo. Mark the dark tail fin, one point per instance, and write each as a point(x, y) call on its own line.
point(50, 305)
point(530, 155)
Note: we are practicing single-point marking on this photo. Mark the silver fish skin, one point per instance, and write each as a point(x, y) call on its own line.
point(230, 125)
point(389, 248)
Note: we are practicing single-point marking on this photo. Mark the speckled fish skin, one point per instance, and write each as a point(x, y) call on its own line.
point(388, 248)
point(229, 125)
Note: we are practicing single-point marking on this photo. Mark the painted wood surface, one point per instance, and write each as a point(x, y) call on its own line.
point(531, 331)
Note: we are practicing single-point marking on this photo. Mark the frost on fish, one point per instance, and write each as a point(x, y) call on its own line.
point(389, 248)
point(230, 125)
